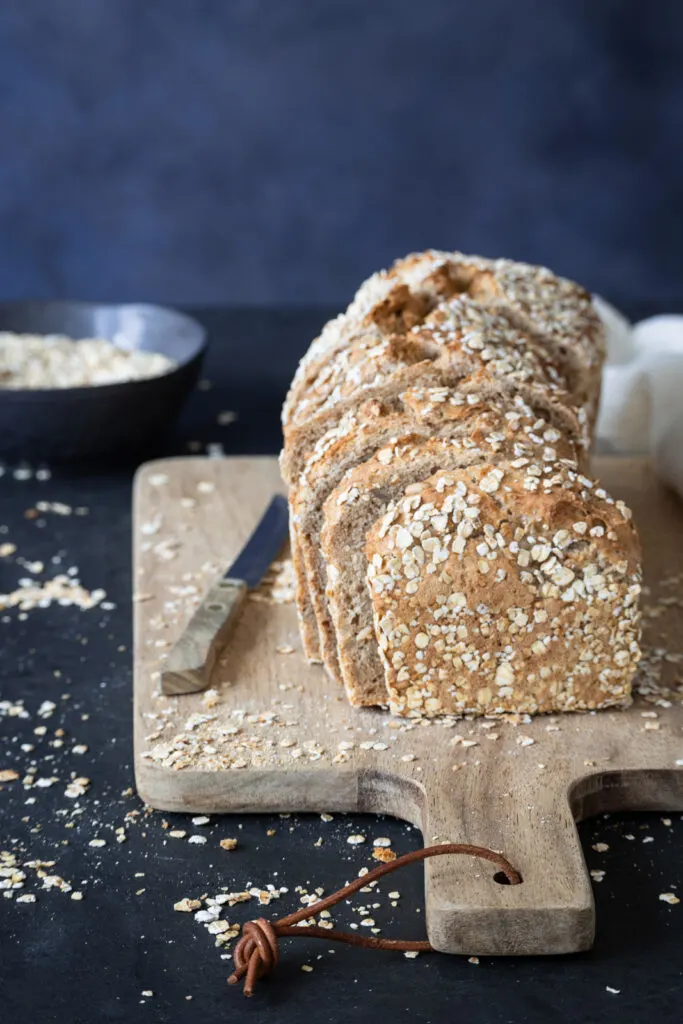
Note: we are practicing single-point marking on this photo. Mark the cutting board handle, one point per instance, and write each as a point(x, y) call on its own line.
point(469, 908)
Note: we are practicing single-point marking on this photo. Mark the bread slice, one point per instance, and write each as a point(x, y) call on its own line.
point(505, 587)
point(308, 625)
point(508, 428)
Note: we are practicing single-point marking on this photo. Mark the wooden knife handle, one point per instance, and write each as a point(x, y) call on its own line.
point(190, 663)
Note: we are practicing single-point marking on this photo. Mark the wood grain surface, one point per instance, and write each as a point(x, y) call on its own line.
point(275, 734)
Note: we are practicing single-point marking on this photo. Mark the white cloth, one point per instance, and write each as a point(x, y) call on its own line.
point(642, 390)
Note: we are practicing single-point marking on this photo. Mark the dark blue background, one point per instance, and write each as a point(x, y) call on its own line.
point(258, 151)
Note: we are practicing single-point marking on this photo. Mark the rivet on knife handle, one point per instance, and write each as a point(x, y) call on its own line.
point(190, 663)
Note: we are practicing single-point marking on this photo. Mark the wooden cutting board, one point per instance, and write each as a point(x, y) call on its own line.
point(275, 734)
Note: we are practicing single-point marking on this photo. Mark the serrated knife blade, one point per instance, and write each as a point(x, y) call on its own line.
point(190, 662)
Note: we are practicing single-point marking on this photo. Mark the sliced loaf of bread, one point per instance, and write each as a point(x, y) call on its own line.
point(449, 372)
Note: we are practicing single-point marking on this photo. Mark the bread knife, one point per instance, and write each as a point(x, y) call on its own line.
point(190, 662)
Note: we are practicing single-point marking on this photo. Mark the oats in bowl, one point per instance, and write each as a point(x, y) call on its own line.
point(114, 394)
point(36, 361)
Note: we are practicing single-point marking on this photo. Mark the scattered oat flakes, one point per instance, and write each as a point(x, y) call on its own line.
point(197, 840)
point(187, 905)
point(63, 589)
point(77, 787)
point(600, 847)
point(228, 844)
point(355, 840)
point(383, 854)
point(206, 916)
point(669, 897)
point(473, 960)
point(226, 417)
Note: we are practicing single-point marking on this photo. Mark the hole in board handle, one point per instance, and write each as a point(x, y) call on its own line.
point(502, 878)
point(216, 607)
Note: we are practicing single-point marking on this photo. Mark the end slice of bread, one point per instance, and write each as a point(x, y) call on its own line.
point(505, 587)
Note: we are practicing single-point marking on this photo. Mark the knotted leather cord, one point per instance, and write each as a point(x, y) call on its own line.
point(257, 951)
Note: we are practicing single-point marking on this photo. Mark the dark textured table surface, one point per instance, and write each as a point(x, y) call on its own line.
point(93, 959)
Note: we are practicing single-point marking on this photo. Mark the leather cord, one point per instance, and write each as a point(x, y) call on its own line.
point(257, 951)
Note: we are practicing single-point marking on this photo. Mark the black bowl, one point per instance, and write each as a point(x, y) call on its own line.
point(108, 420)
